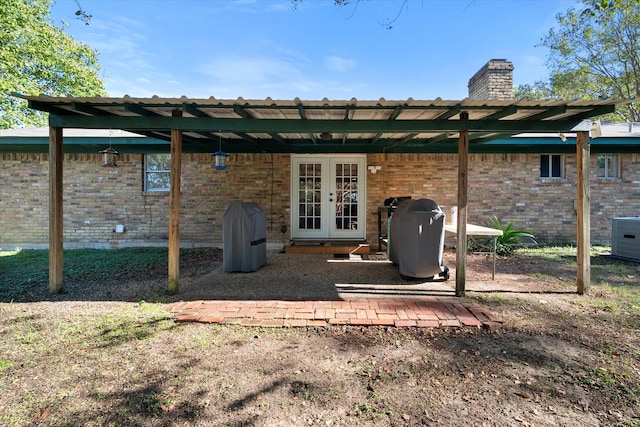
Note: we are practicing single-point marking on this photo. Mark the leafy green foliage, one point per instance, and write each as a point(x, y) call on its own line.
point(600, 6)
point(36, 57)
point(538, 91)
point(510, 239)
point(595, 53)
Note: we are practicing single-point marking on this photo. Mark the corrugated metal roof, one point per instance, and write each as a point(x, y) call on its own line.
point(43, 132)
point(320, 126)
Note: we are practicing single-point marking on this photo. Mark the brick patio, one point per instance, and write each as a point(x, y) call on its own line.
point(428, 312)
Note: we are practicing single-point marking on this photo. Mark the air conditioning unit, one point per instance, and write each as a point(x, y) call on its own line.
point(625, 238)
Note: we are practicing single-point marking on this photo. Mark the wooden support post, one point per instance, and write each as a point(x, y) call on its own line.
point(584, 213)
point(174, 208)
point(55, 210)
point(463, 175)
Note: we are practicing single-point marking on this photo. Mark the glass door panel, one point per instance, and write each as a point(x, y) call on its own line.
point(310, 196)
point(346, 211)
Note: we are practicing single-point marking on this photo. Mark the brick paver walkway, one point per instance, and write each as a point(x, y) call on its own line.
point(428, 312)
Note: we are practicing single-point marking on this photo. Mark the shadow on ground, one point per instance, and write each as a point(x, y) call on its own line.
point(304, 277)
point(323, 277)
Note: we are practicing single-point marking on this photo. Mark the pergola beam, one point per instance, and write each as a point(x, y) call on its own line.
point(195, 124)
point(137, 109)
point(449, 113)
point(502, 113)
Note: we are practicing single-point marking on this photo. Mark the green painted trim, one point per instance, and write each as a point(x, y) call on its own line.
point(155, 145)
point(196, 124)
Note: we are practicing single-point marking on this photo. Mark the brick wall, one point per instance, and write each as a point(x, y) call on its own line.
point(24, 205)
point(96, 198)
point(509, 186)
point(493, 81)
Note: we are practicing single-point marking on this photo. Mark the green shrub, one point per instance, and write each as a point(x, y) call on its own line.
point(510, 239)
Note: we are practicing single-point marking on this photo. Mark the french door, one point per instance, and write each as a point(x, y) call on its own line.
point(328, 197)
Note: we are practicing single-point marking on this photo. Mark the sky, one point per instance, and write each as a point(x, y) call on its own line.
point(256, 49)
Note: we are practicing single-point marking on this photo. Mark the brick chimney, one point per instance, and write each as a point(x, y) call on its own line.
point(493, 81)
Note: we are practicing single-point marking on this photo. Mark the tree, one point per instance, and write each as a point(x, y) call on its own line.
point(37, 57)
point(535, 92)
point(595, 53)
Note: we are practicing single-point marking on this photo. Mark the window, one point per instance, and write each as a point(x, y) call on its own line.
point(157, 169)
point(608, 166)
point(551, 166)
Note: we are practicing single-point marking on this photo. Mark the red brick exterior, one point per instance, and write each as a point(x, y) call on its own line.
point(96, 198)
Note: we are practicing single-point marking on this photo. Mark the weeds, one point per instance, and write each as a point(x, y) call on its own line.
point(368, 410)
point(614, 383)
point(125, 324)
point(302, 390)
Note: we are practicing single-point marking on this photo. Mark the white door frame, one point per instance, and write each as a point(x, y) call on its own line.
point(327, 220)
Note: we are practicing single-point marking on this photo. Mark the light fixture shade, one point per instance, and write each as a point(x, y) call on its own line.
point(110, 155)
point(221, 158)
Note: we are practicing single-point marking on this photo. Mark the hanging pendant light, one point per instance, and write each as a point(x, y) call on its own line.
point(220, 156)
point(110, 155)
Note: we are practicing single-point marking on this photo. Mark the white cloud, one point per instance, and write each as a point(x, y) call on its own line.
point(251, 71)
point(337, 63)
point(255, 77)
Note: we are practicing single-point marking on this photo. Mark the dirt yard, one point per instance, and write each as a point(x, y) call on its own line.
point(99, 355)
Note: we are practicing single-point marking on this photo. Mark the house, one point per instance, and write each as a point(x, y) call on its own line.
point(528, 179)
point(282, 155)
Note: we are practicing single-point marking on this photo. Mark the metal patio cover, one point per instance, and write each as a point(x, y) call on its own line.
point(206, 125)
point(326, 126)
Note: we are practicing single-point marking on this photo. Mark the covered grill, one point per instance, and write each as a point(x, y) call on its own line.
point(244, 237)
point(417, 239)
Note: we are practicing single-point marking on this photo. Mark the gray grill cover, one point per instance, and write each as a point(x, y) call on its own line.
point(244, 232)
point(416, 238)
